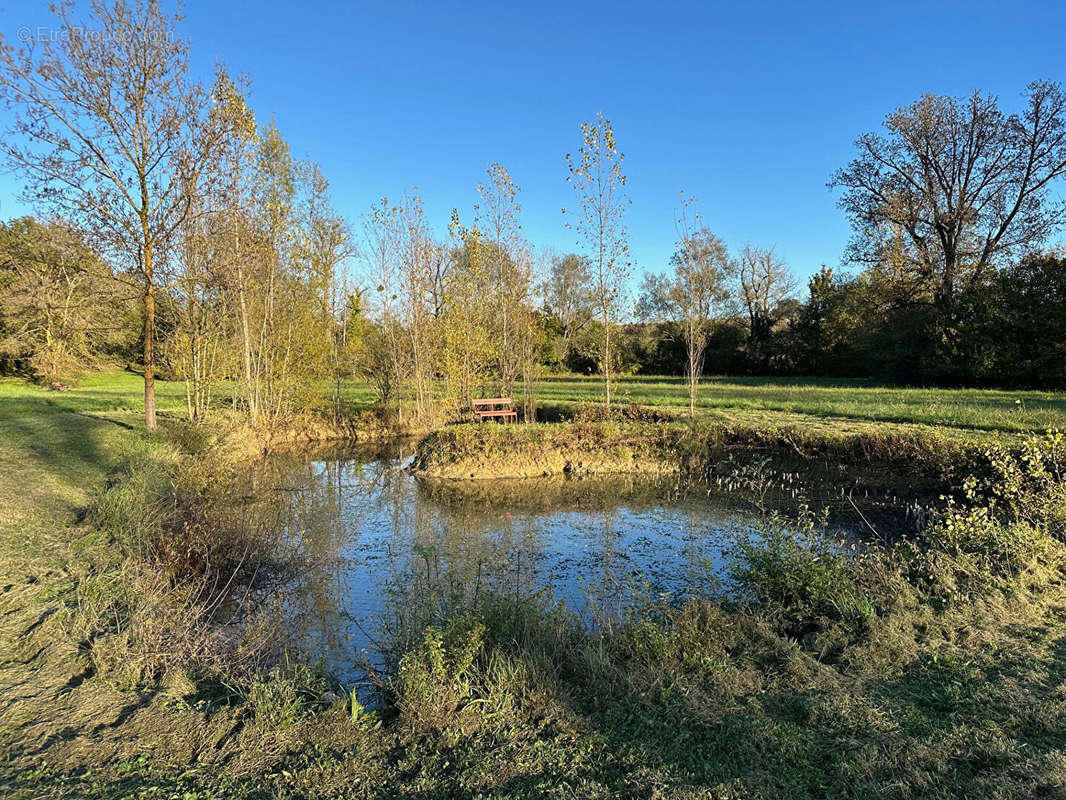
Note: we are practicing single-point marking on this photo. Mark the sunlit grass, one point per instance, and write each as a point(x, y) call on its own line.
point(974, 409)
point(979, 409)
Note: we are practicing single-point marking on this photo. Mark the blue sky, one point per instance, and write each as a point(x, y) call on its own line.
point(748, 106)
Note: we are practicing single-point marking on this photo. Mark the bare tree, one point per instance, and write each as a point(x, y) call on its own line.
point(599, 184)
point(197, 346)
point(111, 133)
point(961, 185)
point(764, 284)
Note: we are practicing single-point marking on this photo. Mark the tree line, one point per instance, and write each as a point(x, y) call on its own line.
point(178, 232)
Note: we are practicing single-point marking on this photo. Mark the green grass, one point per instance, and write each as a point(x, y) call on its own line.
point(95, 392)
point(857, 400)
point(975, 409)
point(970, 702)
point(56, 449)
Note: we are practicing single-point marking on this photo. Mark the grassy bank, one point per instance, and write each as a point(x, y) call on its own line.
point(904, 453)
point(931, 669)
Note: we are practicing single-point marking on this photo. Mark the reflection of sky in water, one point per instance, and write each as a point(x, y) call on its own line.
point(386, 549)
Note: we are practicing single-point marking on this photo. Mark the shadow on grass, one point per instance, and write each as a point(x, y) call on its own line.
point(75, 449)
point(979, 723)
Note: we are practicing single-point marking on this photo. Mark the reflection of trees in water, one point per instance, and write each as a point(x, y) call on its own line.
point(390, 555)
point(439, 552)
point(601, 585)
point(446, 557)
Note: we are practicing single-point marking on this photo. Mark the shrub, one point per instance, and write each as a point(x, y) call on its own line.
point(1014, 508)
point(435, 682)
point(804, 578)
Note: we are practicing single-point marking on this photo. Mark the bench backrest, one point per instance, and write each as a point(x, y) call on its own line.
point(491, 401)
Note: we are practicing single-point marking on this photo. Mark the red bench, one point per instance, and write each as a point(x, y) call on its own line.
point(493, 408)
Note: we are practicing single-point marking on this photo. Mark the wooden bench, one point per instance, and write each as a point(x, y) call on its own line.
point(493, 408)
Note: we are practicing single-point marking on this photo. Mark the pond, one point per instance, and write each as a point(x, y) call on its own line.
point(386, 551)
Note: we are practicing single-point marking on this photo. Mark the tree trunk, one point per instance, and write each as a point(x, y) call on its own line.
point(691, 396)
point(148, 267)
point(188, 401)
point(246, 345)
point(690, 338)
point(149, 343)
point(607, 362)
point(605, 315)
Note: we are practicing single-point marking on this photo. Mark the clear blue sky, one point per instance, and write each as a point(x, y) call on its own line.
point(749, 106)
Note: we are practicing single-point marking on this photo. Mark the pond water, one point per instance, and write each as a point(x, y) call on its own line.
point(386, 550)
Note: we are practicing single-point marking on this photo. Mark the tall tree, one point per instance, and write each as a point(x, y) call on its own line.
point(385, 357)
point(599, 185)
point(324, 245)
point(509, 264)
point(567, 293)
point(693, 295)
point(111, 133)
point(196, 350)
point(419, 261)
point(469, 326)
point(207, 260)
point(764, 283)
point(957, 187)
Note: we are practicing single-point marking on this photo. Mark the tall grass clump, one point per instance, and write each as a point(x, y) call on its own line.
point(795, 572)
point(192, 546)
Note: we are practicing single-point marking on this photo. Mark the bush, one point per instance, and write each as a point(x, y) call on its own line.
point(1014, 508)
point(435, 682)
point(803, 577)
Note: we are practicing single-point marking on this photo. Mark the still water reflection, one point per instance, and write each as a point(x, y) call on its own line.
point(386, 548)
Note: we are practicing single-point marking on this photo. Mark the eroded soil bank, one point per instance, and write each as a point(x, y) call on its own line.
point(918, 459)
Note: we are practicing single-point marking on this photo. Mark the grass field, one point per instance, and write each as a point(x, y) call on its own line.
point(976, 409)
point(969, 702)
point(966, 409)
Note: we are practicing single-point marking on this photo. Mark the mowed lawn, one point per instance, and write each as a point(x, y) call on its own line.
point(972, 409)
point(56, 450)
point(824, 399)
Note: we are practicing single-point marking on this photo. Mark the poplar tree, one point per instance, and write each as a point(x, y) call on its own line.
point(694, 293)
point(599, 186)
